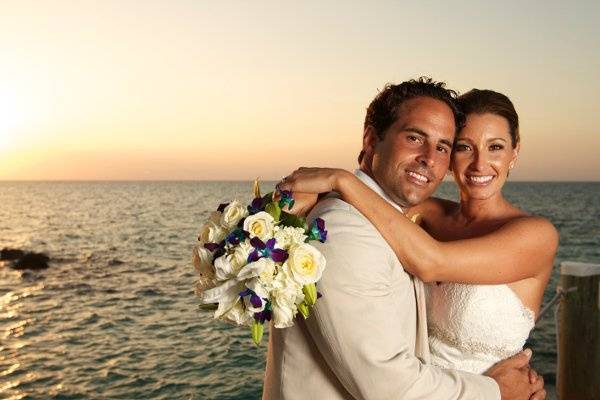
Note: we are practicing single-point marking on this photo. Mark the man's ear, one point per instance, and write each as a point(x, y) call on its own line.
point(369, 140)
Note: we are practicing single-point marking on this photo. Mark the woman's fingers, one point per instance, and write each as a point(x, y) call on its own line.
point(303, 203)
point(310, 180)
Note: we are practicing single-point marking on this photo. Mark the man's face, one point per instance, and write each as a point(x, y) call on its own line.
point(413, 157)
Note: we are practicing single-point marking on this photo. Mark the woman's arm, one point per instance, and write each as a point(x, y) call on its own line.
point(520, 249)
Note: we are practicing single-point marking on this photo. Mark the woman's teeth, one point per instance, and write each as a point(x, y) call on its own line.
point(480, 179)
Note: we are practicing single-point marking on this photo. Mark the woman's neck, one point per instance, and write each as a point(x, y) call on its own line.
point(476, 210)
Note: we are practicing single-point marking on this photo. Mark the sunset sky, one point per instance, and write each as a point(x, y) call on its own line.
point(237, 89)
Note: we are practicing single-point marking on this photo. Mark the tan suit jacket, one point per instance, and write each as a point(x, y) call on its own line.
point(367, 336)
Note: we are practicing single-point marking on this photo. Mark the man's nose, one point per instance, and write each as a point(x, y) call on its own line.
point(426, 157)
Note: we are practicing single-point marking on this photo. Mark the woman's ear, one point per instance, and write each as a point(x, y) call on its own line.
point(515, 155)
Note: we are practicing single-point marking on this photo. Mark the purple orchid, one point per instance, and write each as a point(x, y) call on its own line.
point(266, 250)
point(255, 299)
point(258, 205)
point(286, 199)
point(317, 231)
point(218, 249)
point(264, 315)
point(237, 236)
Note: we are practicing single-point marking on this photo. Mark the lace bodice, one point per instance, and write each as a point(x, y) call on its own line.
point(471, 327)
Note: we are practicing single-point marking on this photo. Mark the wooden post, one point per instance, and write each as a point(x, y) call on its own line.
point(578, 369)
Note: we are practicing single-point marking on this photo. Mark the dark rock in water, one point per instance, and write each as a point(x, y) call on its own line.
point(11, 254)
point(32, 261)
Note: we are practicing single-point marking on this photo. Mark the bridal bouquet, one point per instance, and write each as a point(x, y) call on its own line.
point(255, 263)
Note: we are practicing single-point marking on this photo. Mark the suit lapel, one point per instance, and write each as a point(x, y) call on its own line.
point(422, 340)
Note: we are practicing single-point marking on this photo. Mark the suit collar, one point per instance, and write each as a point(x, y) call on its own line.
point(370, 182)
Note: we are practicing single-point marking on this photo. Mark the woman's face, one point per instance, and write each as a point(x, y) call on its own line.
point(483, 156)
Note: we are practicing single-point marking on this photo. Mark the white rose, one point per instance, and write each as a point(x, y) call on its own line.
point(284, 279)
point(288, 235)
point(239, 315)
point(234, 312)
point(240, 254)
point(306, 263)
point(202, 260)
point(259, 225)
point(266, 276)
point(229, 265)
point(283, 317)
point(232, 214)
point(284, 306)
point(286, 293)
point(211, 232)
point(258, 287)
point(256, 268)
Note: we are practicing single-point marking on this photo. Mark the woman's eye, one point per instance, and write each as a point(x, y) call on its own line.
point(496, 147)
point(462, 147)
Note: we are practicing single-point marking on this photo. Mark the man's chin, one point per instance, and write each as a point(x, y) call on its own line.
point(415, 197)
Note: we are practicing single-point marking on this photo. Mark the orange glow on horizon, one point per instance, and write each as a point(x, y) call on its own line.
point(149, 90)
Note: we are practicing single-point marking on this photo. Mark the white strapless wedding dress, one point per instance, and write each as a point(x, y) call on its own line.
point(471, 327)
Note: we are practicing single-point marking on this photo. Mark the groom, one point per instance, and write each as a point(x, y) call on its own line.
point(367, 336)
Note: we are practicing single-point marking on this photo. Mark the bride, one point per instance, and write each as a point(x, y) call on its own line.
point(488, 261)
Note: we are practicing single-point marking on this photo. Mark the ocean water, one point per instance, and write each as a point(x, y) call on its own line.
point(114, 317)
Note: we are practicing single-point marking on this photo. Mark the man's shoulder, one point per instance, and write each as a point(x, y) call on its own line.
point(337, 213)
point(332, 201)
point(346, 225)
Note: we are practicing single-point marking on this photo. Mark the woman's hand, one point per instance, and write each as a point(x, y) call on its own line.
point(306, 184)
point(312, 180)
point(303, 203)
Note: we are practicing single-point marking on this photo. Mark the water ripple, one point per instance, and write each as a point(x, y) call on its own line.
point(114, 317)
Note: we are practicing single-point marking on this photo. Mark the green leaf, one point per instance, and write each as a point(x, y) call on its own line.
point(258, 330)
point(288, 219)
point(310, 294)
point(304, 310)
point(273, 209)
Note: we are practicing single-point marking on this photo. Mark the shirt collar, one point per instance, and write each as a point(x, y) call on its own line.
point(370, 182)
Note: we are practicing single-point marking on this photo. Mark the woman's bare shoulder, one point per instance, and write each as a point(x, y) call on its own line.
point(533, 226)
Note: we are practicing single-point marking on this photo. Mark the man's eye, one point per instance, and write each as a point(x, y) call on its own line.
point(442, 149)
point(413, 138)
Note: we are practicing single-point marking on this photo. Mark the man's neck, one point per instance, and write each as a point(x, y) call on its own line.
point(369, 173)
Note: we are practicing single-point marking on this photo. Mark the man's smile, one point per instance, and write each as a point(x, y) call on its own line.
point(418, 178)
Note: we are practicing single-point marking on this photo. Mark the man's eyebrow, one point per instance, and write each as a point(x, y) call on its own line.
point(415, 130)
point(447, 143)
point(425, 134)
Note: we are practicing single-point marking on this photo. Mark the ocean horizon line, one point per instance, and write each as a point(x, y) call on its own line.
point(236, 180)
